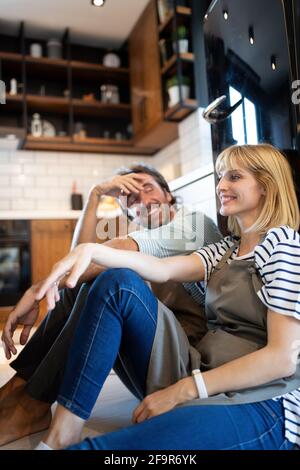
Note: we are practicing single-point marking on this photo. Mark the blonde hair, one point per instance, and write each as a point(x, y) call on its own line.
point(272, 170)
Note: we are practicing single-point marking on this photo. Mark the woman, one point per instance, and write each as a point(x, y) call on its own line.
point(249, 356)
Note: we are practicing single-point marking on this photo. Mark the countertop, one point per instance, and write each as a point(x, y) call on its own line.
point(42, 215)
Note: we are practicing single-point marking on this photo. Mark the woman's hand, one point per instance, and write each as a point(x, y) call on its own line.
point(72, 266)
point(165, 400)
point(25, 313)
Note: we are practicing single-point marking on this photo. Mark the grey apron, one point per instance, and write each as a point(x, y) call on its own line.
point(237, 325)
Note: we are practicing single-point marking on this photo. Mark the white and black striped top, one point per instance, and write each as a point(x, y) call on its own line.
point(277, 259)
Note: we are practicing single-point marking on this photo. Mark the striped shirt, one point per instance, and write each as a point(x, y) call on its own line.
point(277, 260)
point(188, 231)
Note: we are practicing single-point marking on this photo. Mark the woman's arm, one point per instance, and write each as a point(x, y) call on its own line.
point(276, 360)
point(178, 268)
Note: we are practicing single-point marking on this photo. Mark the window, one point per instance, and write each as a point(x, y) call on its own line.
point(243, 119)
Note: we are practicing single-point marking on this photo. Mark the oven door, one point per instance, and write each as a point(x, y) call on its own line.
point(15, 272)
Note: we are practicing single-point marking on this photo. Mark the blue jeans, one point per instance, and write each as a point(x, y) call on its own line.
point(255, 426)
point(118, 321)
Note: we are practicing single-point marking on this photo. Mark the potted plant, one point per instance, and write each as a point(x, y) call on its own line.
point(182, 36)
point(174, 92)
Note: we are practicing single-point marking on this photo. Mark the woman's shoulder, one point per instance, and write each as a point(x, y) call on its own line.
point(223, 244)
point(283, 239)
point(282, 234)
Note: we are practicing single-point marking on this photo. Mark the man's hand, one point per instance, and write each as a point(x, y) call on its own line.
point(119, 184)
point(25, 313)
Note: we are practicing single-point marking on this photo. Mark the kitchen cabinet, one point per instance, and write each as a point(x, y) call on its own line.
point(149, 126)
point(177, 59)
point(67, 93)
point(50, 241)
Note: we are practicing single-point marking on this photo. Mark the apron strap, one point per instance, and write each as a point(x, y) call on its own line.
point(226, 256)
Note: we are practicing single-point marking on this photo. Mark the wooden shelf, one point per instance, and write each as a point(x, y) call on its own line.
point(44, 61)
point(14, 101)
point(45, 67)
point(52, 104)
point(185, 11)
point(88, 70)
point(13, 56)
point(100, 141)
point(186, 57)
point(181, 110)
point(97, 108)
point(89, 144)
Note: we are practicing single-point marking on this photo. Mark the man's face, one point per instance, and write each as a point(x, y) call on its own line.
point(151, 206)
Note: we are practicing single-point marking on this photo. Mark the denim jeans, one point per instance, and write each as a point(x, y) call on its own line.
point(255, 426)
point(118, 320)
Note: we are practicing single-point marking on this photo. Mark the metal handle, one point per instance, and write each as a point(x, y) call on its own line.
point(214, 115)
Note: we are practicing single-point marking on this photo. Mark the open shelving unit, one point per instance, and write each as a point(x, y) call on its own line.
point(176, 64)
point(66, 93)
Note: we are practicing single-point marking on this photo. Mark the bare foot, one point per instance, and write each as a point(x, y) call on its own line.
point(21, 415)
point(14, 384)
point(65, 429)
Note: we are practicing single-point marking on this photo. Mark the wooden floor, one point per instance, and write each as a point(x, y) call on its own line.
point(112, 410)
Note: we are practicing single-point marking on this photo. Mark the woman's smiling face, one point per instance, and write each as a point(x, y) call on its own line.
point(239, 193)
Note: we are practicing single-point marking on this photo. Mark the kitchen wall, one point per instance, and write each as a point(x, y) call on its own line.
point(43, 180)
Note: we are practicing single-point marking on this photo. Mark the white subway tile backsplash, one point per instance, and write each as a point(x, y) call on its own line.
point(50, 204)
point(5, 204)
point(43, 180)
point(45, 157)
point(47, 181)
point(66, 181)
point(23, 204)
point(34, 169)
point(22, 180)
point(4, 156)
point(70, 158)
point(22, 156)
point(3, 180)
point(60, 194)
point(34, 193)
point(10, 169)
point(10, 192)
point(81, 170)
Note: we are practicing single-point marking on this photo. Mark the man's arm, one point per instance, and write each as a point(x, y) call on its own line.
point(85, 231)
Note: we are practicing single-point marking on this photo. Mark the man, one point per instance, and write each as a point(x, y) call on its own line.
point(26, 399)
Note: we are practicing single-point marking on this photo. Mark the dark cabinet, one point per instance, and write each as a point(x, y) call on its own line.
point(72, 95)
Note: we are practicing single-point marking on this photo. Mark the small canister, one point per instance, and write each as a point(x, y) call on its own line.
point(36, 50)
point(54, 49)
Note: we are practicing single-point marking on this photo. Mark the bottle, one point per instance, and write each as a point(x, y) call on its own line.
point(36, 125)
point(76, 198)
point(13, 87)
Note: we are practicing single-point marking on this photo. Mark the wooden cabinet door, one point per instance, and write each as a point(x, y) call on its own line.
point(146, 96)
point(50, 241)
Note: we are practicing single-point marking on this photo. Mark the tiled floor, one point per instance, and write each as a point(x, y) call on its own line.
point(112, 410)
